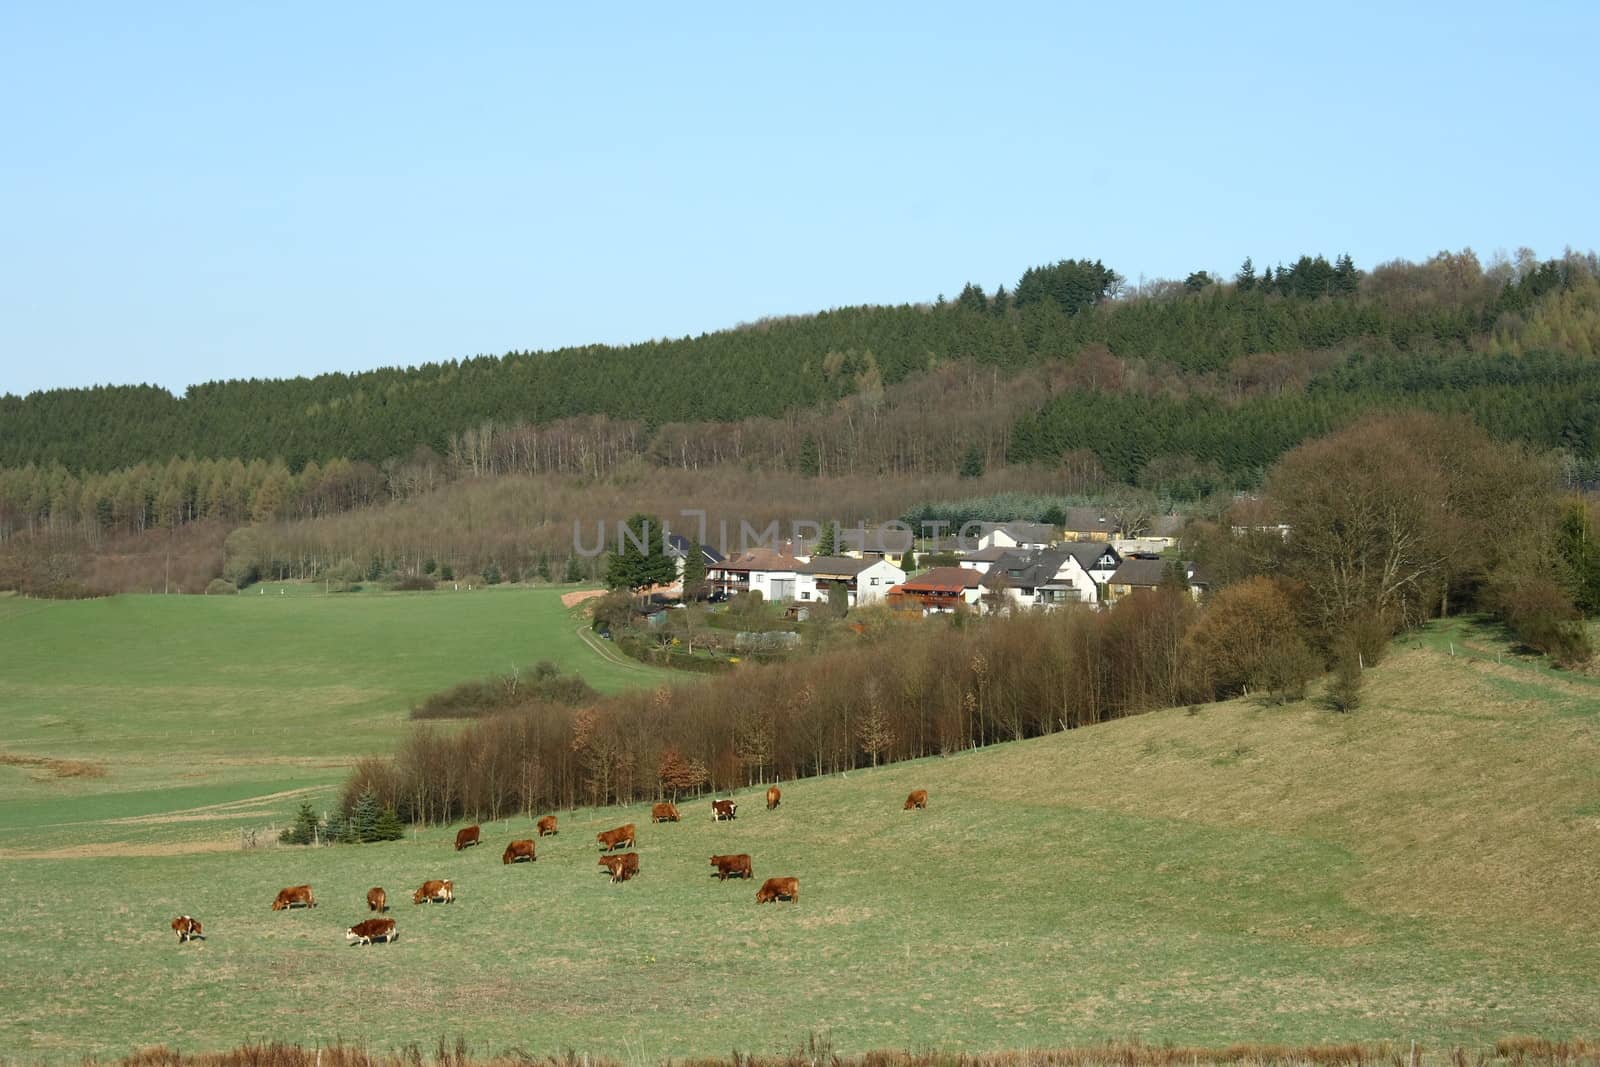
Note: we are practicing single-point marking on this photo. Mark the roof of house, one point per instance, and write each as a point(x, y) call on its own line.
point(1089, 520)
point(1141, 571)
point(761, 559)
point(1088, 553)
point(836, 566)
point(988, 555)
point(1026, 533)
point(877, 539)
point(942, 580)
point(682, 544)
point(1025, 570)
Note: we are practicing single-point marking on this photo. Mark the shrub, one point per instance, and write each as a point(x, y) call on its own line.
point(1541, 614)
point(1344, 689)
point(220, 587)
point(307, 827)
point(413, 583)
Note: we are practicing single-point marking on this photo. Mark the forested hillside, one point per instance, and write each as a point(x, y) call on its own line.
point(793, 365)
point(1074, 382)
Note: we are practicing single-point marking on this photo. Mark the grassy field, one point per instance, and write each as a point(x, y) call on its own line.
point(144, 719)
point(1422, 868)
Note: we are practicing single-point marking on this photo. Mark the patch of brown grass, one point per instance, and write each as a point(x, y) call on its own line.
point(56, 768)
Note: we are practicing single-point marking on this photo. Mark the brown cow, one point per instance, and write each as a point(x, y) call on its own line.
point(377, 900)
point(774, 794)
point(435, 891)
point(518, 851)
point(732, 867)
point(723, 809)
point(664, 812)
point(547, 826)
point(611, 840)
point(779, 889)
point(466, 837)
point(188, 928)
point(621, 867)
point(917, 799)
point(369, 930)
point(294, 896)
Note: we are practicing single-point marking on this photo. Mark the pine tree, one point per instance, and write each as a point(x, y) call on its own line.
point(827, 542)
point(574, 571)
point(972, 299)
point(694, 566)
point(307, 827)
point(972, 465)
point(1246, 278)
point(809, 461)
point(641, 560)
point(908, 562)
point(1001, 302)
point(364, 817)
point(338, 830)
point(543, 570)
point(389, 827)
point(491, 573)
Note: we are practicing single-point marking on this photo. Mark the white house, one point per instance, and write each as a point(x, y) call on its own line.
point(773, 575)
point(1099, 560)
point(1044, 580)
point(1024, 535)
point(865, 580)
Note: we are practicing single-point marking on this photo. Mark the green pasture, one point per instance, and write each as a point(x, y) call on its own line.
point(1423, 868)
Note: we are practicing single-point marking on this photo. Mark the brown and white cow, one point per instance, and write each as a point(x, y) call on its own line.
point(466, 837)
point(774, 795)
point(917, 799)
point(377, 899)
point(369, 930)
point(611, 840)
point(188, 928)
point(547, 826)
point(435, 891)
point(732, 867)
point(779, 889)
point(621, 867)
point(294, 896)
point(664, 812)
point(723, 809)
point(518, 851)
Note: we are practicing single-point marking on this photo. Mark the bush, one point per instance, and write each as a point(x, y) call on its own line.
point(1541, 614)
point(491, 573)
point(1344, 689)
point(221, 587)
point(412, 583)
point(307, 828)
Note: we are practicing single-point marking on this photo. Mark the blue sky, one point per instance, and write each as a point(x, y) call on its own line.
point(215, 191)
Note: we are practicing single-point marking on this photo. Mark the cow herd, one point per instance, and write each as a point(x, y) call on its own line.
point(621, 866)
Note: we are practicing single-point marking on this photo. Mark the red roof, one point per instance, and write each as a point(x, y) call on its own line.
point(943, 580)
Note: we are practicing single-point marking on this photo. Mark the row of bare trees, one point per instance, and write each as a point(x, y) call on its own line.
point(904, 690)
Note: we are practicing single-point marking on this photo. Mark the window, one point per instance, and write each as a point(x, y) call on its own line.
point(874, 581)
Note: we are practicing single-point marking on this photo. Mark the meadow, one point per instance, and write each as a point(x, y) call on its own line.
point(1421, 868)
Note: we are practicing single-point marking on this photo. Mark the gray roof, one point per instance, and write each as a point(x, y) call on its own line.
point(682, 544)
point(1025, 570)
point(1140, 571)
point(1024, 532)
point(1089, 520)
point(840, 566)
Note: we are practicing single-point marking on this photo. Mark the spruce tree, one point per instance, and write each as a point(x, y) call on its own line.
point(306, 829)
point(389, 827)
point(809, 461)
point(574, 571)
point(908, 562)
point(827, 543)
point(972, 463)
point(694, 566)
point(491, 573)
point(544, 567)
point(364, 817)
point(1246, 278)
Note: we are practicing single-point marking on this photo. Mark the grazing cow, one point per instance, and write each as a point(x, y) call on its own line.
point(621, 867)
point(377, 900)
point(294, 896)
point(664, 812)
point(732, 867)
point(518, 851)
point(774, 795)
point(435, 891)
point(611, 840)
point(917, 799)
point(466, 837)
point(188, 928)
point(369, 930)
point(779, 889)
point(723, 809)
point(547, 826)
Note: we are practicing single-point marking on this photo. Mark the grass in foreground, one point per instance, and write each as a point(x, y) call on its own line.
point(1423, 868)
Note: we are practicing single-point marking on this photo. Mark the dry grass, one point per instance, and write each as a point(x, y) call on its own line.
point(55, 768)
point(817, 1052)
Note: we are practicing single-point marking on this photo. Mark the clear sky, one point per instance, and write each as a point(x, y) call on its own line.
point(216, 190)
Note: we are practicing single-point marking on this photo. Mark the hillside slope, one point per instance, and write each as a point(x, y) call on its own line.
point(1421, 868)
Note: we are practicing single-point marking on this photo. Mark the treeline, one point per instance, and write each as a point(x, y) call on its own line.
point(1393, 521)
point(778, 367)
